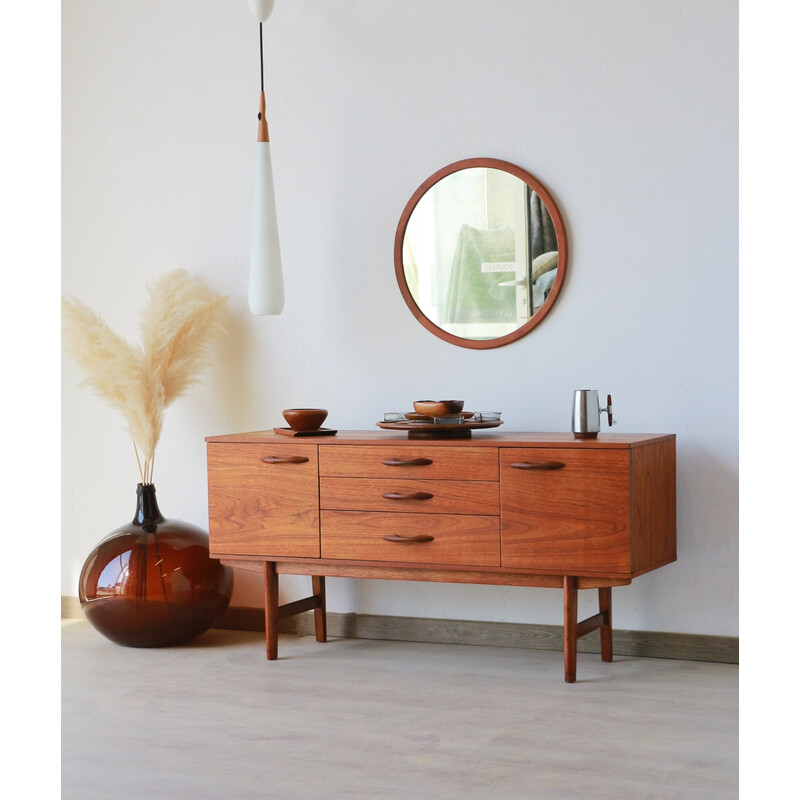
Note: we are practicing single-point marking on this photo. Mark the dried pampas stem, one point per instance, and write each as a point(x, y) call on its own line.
point(178, 320)
point(138, 462)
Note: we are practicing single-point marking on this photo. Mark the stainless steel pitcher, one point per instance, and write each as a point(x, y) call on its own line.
point(586, 414)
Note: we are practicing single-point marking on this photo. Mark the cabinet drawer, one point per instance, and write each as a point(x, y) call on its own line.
point(456, 538)
point(423, 461)
point(263, 500)
point(566, 510)
point(404, 496)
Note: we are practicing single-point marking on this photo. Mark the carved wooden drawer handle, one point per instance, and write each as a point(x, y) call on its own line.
point(284, 459)
point(537, 465)
point(413, 462)
point(408, 496)
point(422, 537)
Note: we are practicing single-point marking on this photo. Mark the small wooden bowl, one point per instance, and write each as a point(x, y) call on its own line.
point(305, 419)
point(438, 408)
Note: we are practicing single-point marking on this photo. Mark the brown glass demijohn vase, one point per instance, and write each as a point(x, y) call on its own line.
point(151, 583)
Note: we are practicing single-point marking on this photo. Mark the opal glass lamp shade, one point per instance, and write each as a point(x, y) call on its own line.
point(261, 9)
point(266, 276)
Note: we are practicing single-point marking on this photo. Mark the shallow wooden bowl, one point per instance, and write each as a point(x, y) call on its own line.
point(305, 419)
point(438, 408)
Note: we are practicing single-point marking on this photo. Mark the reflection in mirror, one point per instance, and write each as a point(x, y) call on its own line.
point(479, 253)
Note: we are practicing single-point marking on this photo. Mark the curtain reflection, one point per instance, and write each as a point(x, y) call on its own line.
point(474, 295)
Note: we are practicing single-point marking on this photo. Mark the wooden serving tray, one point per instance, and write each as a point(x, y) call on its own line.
point(429, 430)
point(317, 432)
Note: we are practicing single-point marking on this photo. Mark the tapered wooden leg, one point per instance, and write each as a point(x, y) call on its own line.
point(570, 628)
point(320, 619)
point(271, 609)
point(605, 628)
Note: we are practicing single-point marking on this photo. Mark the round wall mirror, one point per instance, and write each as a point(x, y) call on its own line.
point(480, 253)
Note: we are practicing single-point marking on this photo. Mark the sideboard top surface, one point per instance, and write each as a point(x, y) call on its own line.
point(479, 439)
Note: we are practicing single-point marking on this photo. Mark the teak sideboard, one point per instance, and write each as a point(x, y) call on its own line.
point(511, 509)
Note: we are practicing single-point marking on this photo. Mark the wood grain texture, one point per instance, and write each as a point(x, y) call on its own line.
point(298, 607)
point(445, 497)
point(320, 613)
point(443, 573)
point(260, 508)
point(589, 624)
point(263, 128)
point(570, 519)
point(457, 539)
point(612, 441)
point(318, 566)
point(246, 564)
point(447, 463)
point(606, 643)
point(366, 507)
point(271, 609)
point(654, 505)
point(570, 628)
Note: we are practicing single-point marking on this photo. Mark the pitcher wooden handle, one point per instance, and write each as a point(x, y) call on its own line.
point(284, 459)
point(412, 462)
point(608, 408)
point(537, 465)
point(408, 496)
point(422, 537)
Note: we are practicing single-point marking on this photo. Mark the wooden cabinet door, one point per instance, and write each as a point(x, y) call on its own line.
point(566, 510)
point(263, 499)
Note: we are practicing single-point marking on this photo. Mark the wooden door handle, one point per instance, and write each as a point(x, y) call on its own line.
point(537, 465)
point(422, 537)
point(284, 459)
point(408, 496)
point(412, 462)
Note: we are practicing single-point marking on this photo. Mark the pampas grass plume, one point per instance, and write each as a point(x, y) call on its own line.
point(177, 323)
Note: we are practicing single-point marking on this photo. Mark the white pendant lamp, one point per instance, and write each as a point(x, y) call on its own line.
point(265, 295)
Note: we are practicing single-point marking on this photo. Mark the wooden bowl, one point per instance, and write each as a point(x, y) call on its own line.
point(438, 408)
point(305, 419)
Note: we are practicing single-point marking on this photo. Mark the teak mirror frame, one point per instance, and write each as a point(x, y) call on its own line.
point(561, 238)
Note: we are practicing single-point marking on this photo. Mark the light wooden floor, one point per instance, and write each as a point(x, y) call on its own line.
point(355, 719)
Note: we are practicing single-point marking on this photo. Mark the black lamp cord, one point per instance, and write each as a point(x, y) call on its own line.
point(261, 49)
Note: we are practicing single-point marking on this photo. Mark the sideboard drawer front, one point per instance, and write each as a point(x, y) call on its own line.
point(410, 496)
point(566, 510)
point(388, 461)
point(263, 500)
point(457, 539)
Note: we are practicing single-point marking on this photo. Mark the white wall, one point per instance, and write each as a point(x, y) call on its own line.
point(626, 111)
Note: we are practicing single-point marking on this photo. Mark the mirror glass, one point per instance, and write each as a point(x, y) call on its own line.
point(480, 253)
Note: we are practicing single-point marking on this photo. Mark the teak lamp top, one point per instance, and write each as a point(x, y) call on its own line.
point(263, 128)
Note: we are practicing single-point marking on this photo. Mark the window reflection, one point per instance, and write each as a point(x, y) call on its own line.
point(479, 253)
